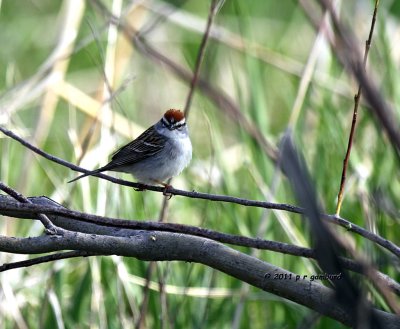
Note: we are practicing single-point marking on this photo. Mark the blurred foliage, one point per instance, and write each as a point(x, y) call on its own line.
point(262, 77)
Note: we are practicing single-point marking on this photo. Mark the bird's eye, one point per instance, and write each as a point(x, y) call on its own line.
point(180, 126)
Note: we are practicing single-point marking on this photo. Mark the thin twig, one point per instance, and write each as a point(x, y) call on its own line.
point(49, 226)
point(357, 98)
point(200, 56)
point(46, 259)
point(140, 323)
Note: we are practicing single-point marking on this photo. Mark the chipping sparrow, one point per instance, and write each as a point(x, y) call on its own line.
point(158, 154)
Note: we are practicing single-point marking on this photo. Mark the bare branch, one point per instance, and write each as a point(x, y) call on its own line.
point(87, 223)
point(167, 246)
point(50, 228)
point(355, 112)
point(52, 208)
point(45, 259)
point(200, 56)
point(91, 224)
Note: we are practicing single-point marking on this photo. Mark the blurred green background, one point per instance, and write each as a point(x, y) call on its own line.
point(71, 86)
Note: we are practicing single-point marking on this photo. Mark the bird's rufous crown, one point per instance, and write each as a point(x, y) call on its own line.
point(174, 116)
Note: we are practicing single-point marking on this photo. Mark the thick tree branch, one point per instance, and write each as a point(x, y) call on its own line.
point(92, 224)
point(87, 223)
point(167, 246)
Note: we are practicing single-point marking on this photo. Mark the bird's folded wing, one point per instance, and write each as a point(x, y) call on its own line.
point(146, 145)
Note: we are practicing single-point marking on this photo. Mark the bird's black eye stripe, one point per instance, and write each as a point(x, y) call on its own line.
point(172, 126)
point(178, 126)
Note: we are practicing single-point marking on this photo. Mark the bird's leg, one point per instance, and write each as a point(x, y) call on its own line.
point(166, 187)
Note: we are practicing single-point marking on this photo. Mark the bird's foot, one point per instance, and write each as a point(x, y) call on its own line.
point(166, 188)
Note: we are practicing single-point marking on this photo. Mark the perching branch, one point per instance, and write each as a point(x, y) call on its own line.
point(172, 191)
point(214, 197)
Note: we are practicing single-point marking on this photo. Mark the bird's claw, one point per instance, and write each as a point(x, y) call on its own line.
point(165, 191)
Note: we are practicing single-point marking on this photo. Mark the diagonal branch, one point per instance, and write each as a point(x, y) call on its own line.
point(200, 56)
point(49, 226)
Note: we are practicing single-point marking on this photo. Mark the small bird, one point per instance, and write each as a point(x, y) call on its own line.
point(161, 152)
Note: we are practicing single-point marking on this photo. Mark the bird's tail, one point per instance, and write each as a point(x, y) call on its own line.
point(90, 173)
